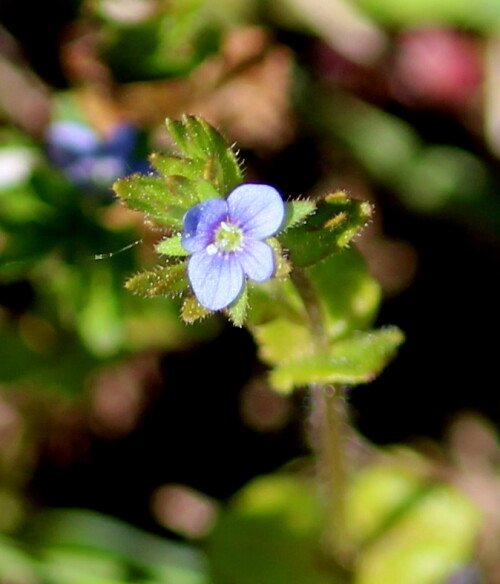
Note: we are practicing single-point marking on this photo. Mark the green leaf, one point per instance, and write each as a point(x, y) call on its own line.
point(336, 221)
point(206, 167)
point(296, 213)
point(59, 363)
point(474, 14)
point(194, 169)
point(172, 165)
point(15, 565)
point(163, 200)
point(270, 533)
point(275, 299)
point(79, 531)
point(170, 42)
point(183, 190)
point(282, 340)
point(206, 190)
point(99, 320)
point(356, 359)
point(165, 281)
point(82, 566)
point(171, 246)
point(426, 530)
point(380, 495)
point(192, 310)
point(349, 296)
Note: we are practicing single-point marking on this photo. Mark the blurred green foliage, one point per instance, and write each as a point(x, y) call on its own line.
point(409, 529)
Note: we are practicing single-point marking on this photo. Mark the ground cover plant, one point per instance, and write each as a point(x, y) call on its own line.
point(248, 258)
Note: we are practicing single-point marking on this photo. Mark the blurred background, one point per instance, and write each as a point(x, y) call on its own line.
point(108, 403)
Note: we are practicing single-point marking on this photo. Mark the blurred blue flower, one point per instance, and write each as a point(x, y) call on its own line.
point(225, 239)
point(89, 161)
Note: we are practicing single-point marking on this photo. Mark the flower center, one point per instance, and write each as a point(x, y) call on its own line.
point(228, 237)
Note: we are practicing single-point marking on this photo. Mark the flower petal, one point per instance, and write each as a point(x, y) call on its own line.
point(69, 141)
point(258, 209)
point(216, 279)
point(257, 260)
point(200, 223)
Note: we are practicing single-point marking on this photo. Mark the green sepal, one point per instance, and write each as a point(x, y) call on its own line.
point(329, 230)
point(198, 141)
point(164, 201)
point(192, 310)
point(297, 212)
point(165, 281)
point(171, 246)
point(282, 266)
point(237, 311)
point(355, 359)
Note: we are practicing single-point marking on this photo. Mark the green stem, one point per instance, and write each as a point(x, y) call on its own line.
point(333, 449)
point(332, 439)
point(313, 309)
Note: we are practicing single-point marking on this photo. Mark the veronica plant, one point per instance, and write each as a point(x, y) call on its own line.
point(283, 268)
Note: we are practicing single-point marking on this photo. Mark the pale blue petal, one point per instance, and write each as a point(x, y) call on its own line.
point(71, 137)
point(258, 209)
point(257, 260)
point(200, 223)
point(216, 279)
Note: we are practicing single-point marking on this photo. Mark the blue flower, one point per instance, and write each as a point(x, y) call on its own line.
point(225, 237)
point(90, 161)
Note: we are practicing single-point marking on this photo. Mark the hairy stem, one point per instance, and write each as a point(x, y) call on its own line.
point(331, 444)
point(332, 457)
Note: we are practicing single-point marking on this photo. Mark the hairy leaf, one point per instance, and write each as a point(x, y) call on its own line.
point(173, 165)
point(206, 150)
point(165, 281)
point(349, 296)
point(329, 230)
point(153, 196)
point(356, 359)
point(296, 212)
point(171, 246)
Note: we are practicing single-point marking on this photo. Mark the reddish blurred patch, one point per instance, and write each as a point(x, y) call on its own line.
point(183, 510)
point(436, 67)
point(263, 409)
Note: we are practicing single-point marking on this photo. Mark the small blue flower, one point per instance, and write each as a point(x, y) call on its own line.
point(225, 239)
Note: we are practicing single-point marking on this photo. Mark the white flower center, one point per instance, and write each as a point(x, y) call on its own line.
point(228, 237)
